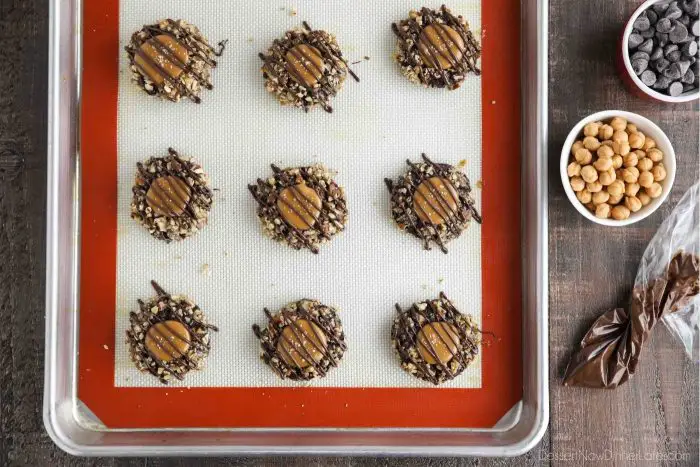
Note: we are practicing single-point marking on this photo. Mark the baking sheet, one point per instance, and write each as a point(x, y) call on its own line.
point(233, 271)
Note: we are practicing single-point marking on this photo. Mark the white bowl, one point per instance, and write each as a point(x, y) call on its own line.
point(631, 78)
point(647, 127)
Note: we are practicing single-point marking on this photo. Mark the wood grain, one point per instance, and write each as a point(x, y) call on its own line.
point(653, 420)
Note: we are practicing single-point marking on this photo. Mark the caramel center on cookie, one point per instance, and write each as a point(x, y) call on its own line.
point(438, 342)
point(168, 196)
point(168, 340)
point(435, 200)
point(300, 206)
point(305, 64)
point(301, 344)
point(440, 46)
point(162, 57)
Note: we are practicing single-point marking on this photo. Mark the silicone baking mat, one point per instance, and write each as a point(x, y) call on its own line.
point(232, 271)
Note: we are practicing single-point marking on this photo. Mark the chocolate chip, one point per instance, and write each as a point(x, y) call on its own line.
point(642, 23)
point(695, 28)
point(638, 55)
point(662, 83)
point(684, 20)
point(648, 78)
point(639, 65)
point(675, 89)
point(691, 7)
point(657, 54)
point(684, 65)
point(679, 33)
point(661, 64)
point(660, 8)
point(664, 25)
point(674, 56)
point(647, 46)
point(652, 16)
point(688, 87)
point(688, 77)
point(670, 48)
point(648, 34)
point(661, 38)
point(673, 72)
point(690, 49)
point(635, 40)
point(673, 12)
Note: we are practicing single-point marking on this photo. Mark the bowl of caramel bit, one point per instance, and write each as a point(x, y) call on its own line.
point(617, 167)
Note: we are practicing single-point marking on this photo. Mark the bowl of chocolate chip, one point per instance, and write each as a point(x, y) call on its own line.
point(659, 51)
point(617, 167)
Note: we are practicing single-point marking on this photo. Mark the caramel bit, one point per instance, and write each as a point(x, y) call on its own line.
point(168, 340)
point(435, 200)
point(301, 344)
point(162, 58)
point(441, 46)
point(305, 65)
point(168, 196)
point(300, 206)
point(438, 342)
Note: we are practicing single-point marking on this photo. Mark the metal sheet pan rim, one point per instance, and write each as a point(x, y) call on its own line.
point(60, 404)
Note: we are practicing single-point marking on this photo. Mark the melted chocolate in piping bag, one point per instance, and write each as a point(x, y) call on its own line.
point(611, 348)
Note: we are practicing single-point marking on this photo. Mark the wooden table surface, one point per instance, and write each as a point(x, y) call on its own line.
point(653, 420)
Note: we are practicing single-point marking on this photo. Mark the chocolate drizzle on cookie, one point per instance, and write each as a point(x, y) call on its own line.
point(441, 46)
point(302, 207)
point(168, 196)
point(436, 201)
point(436, 48)
point(438, 342)
point(434, 341)
point(168, 336)
point(305, 64)
point(433, 202)
point(172, 198)
point(173, 59)
point(302, 341)
point(305, 68)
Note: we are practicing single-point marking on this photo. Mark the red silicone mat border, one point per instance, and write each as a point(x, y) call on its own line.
point(296, 406)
